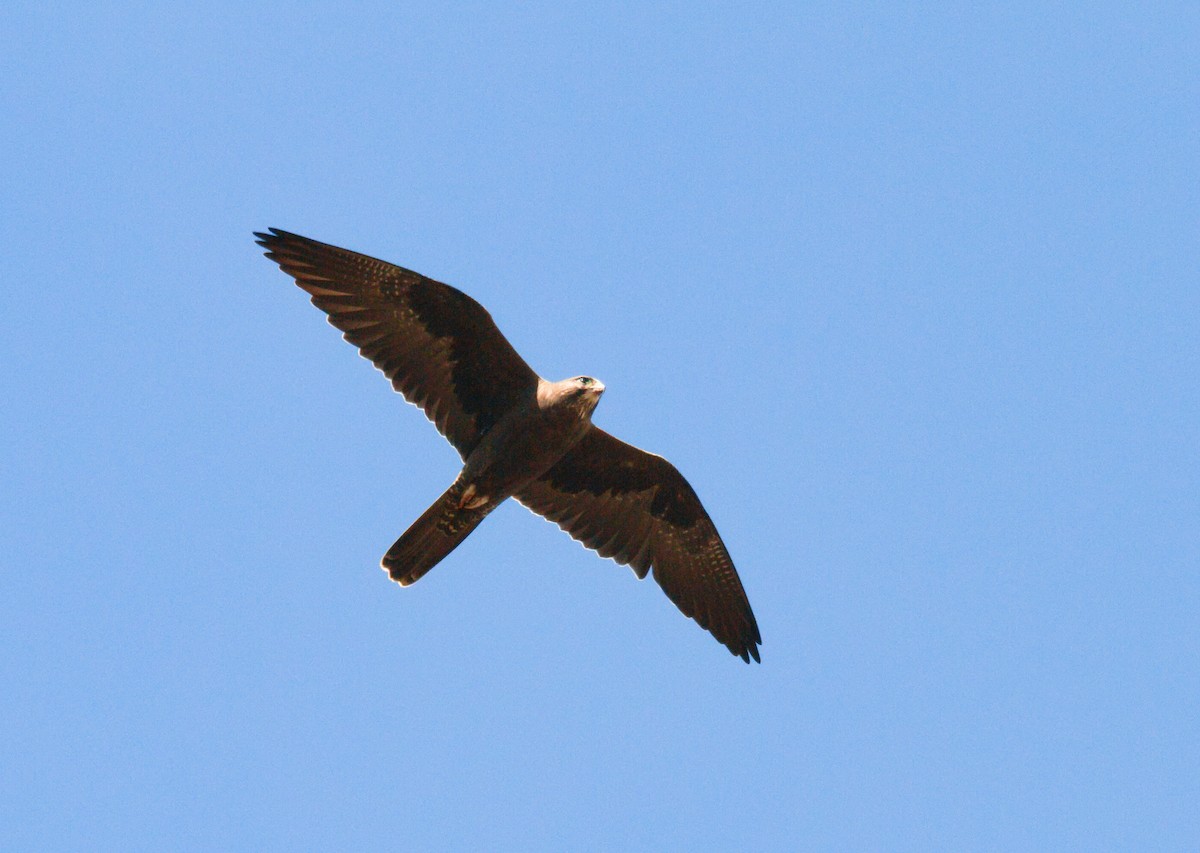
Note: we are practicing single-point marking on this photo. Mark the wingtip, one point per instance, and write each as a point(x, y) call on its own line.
point(747, 652)
point(265, 239)
point(271, 235)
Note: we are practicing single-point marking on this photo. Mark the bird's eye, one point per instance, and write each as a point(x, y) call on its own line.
point(585, 380)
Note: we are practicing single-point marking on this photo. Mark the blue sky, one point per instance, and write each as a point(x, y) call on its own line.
point(909, 295)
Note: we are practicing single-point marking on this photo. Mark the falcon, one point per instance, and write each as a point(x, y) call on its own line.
point(519, 436)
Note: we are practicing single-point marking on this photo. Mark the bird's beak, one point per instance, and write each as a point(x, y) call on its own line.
point(598, 388)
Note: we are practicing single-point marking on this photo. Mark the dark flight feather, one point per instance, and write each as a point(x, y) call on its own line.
point(438, 346)
point(636, 508)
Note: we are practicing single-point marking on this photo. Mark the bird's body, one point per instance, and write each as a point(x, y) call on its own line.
point(532, 436)
point(525, 443)
point(519, 436)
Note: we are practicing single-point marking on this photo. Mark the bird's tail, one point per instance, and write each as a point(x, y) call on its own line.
point(434, 535)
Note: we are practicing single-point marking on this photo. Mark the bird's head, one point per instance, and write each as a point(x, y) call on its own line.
point(586, 386)
point(580, 394)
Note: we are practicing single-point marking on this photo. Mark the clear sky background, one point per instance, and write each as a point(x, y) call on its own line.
point(909, 295)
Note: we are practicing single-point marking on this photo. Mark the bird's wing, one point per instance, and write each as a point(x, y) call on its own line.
point(438, 346)
point(636, 508)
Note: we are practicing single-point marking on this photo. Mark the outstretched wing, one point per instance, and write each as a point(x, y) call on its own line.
point(438, 346)
point(637, 508)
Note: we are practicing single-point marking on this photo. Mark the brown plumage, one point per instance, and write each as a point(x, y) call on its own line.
point(519, 436)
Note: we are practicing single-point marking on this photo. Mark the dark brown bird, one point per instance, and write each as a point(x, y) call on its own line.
point(519, 436)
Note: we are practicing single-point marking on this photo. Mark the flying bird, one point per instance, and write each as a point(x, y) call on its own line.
point(519, 436)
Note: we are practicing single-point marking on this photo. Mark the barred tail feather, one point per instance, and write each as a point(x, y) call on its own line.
point(432, 536)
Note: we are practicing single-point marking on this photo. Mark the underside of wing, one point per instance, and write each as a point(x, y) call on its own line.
point(438, 346)
point(636, 508)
